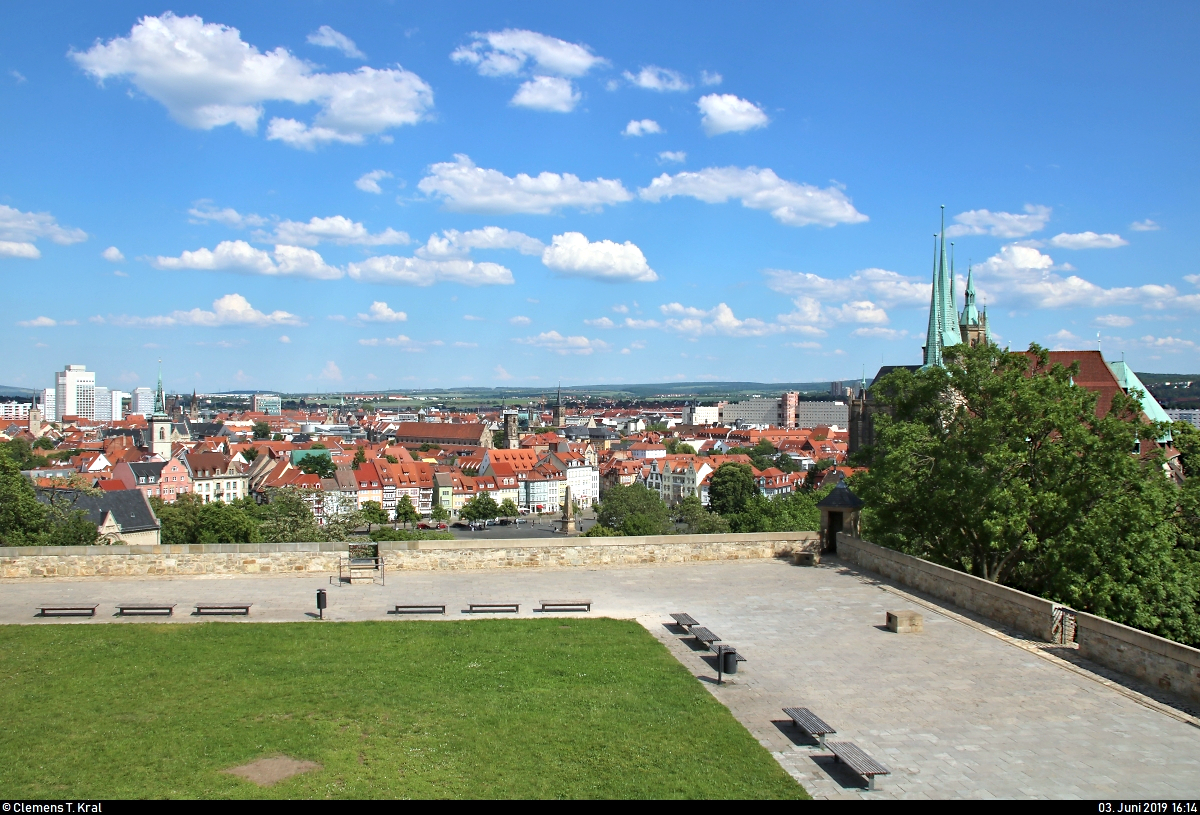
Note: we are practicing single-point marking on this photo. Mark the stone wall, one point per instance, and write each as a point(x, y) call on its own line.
point(260, 558)
point(1167, 664)
point(1022, 611)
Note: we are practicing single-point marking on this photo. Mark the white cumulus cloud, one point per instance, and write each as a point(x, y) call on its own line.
point(334, 229)
point(369, 182)
point(423, 272)
point(508, 52)
point(885, 287)
point(19, 249)
point(38, 322)
point(327, 37)
point(1000, 224)
point(207, 76)
point(788, 202)
point(1024, 275)
point(641, 127)
point(380, 313)
point(239, 256)
point(552, 93)
point(112, 254)
point(467, 188)
point(672, 157)
point(553, 341)
point(717, 320)
point(711, 78)
point(726, 113)
point(1114, 321)
point(230, 310)
point(454, 244)
point(653, 78)
point(572, 255)
point(204, 211)
point(520, 319)
point(1088, 240)
point(601, 322)
point(331, 372)
point(19, 230)
point(1145, 226)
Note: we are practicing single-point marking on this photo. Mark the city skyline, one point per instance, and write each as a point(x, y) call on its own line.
point(381, 198)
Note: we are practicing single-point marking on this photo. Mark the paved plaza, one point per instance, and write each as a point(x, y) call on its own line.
point(962, 710)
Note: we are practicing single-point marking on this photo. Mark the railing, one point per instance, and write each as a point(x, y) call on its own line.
point(351, 567)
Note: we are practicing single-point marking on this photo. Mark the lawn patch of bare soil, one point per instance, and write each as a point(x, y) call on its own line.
point(268, 771)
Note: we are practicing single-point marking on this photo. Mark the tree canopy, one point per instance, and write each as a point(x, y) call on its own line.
point(322, 466)
point(480, 508)
point(998, 465)
point(633, 510)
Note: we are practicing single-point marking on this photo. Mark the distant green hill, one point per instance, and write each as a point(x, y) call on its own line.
point(1173, 390)
point(6, 391)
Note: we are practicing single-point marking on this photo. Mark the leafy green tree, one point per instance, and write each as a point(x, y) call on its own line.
point(287, 518)
point(391, 459)
point(498, 439)
point(250, 453)
point(20, 453)
point(406, 513)
point(277, 437)
point(374, 513)
point(997, 465)
point(480, 508)
point(360, 458)
point(227, 523)
point(262, 430)
point(731, 488)
point(317, 446)
point(43, 443)
point(634, 510)
point(317, 465)
point(22, 516)
point(342, 518)
point(508, 508)
point(1187, 442)
point(697, 519)
point(439, 513)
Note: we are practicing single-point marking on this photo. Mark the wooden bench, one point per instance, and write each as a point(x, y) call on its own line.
point(223, 608)
point(419, 608)
point(807, 721)
point(704, 636)
point(854, 758)
point(67, 611)
point(566, 605)
point(493, 608)
point(145, 608)
point(684, 621)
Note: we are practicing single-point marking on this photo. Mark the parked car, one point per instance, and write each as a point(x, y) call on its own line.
point(519, 521)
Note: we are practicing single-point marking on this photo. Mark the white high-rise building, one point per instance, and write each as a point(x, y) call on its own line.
point(48, 399)
point(75, 393)
point(118, 399)
point(143, 401)
point(103, 404)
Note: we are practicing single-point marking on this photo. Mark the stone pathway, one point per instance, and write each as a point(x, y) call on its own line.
point(959, 711)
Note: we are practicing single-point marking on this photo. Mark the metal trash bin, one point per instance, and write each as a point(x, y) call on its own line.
point(729, 661)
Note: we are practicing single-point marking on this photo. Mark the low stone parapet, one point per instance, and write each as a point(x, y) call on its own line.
point(1024, 612)
point(266, 558)
point(1164, 663)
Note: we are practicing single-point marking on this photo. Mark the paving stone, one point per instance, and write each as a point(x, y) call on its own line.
point(953, 711)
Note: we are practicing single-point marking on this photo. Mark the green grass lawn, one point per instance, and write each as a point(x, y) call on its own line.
point(480, 709)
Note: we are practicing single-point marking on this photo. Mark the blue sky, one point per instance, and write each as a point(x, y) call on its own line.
point(318, 196)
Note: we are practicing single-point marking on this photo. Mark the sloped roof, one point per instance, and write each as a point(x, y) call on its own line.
point(129, 508)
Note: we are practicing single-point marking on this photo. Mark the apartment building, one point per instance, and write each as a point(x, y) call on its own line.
point(75, 393)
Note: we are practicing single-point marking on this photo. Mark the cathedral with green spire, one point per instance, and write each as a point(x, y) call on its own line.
point(948, 326)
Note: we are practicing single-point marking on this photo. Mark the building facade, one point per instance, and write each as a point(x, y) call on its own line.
point(75, 393)
point(268, 403)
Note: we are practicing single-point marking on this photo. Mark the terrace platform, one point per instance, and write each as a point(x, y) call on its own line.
point(965, 709)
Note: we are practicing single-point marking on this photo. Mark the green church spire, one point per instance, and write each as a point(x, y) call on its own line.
point(160, 399)
point(943, 315)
